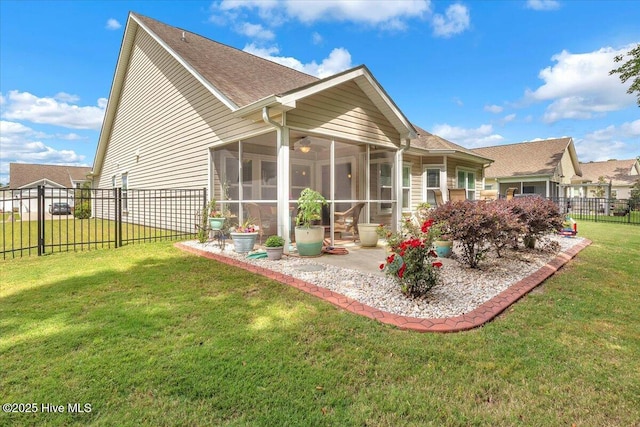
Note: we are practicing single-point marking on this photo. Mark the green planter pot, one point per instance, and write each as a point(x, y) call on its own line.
point(309, 240)
point(216, 223)
point(244, 242)
point(443, 248)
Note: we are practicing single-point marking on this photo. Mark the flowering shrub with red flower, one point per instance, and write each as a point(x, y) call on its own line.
point(412, 262)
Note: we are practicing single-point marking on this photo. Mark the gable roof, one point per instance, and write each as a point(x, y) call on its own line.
point(28, 174)
point(619, 172)
point(534, 158)
point(241, 77)
point(244, 82)
point(435, 144)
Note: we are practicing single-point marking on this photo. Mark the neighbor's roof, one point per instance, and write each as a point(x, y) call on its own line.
point(619, 172)
point(243, 78)
point(535, 158)
point(434, 143)
point(26, 174)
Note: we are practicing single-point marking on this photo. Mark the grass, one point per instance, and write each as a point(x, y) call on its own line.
point(64, 233)
point(149, 335)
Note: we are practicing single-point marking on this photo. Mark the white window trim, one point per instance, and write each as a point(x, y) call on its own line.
point(475, 180)
point(407, 165)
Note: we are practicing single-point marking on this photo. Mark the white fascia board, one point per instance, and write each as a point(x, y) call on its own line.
point(226, 101)
point(387, 103)
point(116, 88)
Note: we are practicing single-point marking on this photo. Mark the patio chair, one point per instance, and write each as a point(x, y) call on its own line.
point(488, 194)
point(511, 192)
point(457, 194)
point(437, 194)
point(265, 223)
point(347, 221)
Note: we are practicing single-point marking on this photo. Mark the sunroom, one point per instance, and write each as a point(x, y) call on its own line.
point(341, 136)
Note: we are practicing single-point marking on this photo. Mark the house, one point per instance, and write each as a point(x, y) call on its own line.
point(57, 180)
point(620, 174)
point(187, 112)
point(537, 167)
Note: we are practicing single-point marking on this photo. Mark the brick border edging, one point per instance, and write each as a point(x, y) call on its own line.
point(475, 318)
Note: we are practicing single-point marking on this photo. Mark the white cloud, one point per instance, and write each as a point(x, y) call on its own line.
point(455, 21)
point(113, 24)
point(386, 14)
point(507, 119)
point(316, 38)
point(580, 87)
point(493, 109)
point(255, 31)
point(20, 144)
point(543, 4)
point(612, 142)
point(338, 60)
point(470, 138)
point(25, 106)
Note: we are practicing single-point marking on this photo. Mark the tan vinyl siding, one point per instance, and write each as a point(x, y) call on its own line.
point(170, 119)
point(345, 112)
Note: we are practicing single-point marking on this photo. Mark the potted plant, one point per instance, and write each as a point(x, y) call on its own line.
point(244, 236)
point(309, 237)
point(216, 217)
point(442, 243)
point(274, 246)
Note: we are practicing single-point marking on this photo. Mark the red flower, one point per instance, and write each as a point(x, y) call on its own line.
point(381, 266)
point(433, 254)
point(436, 264)
point(426, 226)
point(401, 271)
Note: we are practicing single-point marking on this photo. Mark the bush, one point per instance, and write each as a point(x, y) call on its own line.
point(473, 224)
point(538, 216)
point(274, 242)
point(82, 210)
point(412, 262)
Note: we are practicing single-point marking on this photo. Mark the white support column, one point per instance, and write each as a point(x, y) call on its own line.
point(284, 186)
point(332, 187)
point(397, 211)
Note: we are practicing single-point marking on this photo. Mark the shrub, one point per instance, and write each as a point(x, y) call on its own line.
point(471, 224)
point(412, 262)
point(506, 227)
point(538, 216)
point(82, 210)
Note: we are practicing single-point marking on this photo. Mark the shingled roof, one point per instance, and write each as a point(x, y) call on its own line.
point(430, 142)
point(26, 174)
point(242, 78)
point(619, 172)
point(535, 158)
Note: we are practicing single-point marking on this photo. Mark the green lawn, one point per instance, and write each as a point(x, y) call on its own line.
point(149, 335)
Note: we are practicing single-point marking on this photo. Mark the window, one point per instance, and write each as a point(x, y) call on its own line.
point(406, 187)
point(467, 180)
point(300, 179)
point(125, 183)
point(431, 183)
point(386, 186)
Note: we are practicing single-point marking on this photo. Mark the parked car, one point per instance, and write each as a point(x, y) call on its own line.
point(60, 209)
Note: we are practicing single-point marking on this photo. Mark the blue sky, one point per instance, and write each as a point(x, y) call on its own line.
point(478, 73)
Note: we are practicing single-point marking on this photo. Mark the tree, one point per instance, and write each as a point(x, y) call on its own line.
point(634, 197)
point(630, 70)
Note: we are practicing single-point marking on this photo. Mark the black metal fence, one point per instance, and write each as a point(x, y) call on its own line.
point(42, 220)
point(623, 211)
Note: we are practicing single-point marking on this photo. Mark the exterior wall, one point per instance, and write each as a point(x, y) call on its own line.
point(344, 112)
point(165, 122)
point(566, 169)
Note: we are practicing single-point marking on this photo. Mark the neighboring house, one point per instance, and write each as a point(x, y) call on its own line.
point(621, 174)
point(25, 177)
point(542, 167)
point(188, 112)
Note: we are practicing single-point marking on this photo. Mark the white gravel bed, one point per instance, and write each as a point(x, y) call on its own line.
point(461, 290)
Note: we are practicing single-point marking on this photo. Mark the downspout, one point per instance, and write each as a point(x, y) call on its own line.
point(282, 150)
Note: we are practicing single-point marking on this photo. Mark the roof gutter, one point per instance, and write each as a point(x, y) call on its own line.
point(267, 119)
